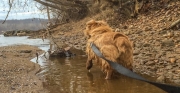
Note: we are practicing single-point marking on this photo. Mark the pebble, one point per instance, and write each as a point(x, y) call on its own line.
point(150, 63)
point(169, 67)
point(136, 52)
point(172, 60)
point(1, 54)
point(167, 43)
point(161, 79)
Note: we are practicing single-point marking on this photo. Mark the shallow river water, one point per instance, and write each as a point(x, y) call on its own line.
point(69, 75)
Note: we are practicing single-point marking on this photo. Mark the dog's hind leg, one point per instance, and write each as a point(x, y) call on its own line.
point(106, 68)
point(110, 52)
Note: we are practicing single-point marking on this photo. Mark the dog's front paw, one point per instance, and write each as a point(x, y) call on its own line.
point(108, 78)
point(89, 65)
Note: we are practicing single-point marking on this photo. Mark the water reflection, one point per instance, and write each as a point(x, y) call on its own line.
point(69, 75)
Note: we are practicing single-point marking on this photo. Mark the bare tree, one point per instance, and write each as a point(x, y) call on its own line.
point(68, 9)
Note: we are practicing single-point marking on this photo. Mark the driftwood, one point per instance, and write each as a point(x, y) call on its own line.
point(174, 24)
point(61, 51)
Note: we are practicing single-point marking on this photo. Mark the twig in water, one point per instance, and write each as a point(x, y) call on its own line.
point(37, 55)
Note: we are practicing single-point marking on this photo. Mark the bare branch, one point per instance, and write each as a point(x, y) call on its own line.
point(65, 3)
point(10, 6)
point(47, 4)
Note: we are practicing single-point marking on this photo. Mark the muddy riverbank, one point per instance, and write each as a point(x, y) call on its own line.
point(17, 72)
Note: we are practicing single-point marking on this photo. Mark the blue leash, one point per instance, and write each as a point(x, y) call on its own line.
point(124, 71)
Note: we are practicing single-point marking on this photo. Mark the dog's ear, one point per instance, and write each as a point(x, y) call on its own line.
point(89, 27)
point(98, 23)
point(102, 23)
point(91, 22)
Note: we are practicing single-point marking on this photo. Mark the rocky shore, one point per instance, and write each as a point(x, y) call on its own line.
point(156, 45)
point(156, 53)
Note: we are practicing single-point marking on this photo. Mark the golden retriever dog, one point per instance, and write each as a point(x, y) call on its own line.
point(113, 45)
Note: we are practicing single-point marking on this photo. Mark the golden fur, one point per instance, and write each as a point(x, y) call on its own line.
point(113, 45)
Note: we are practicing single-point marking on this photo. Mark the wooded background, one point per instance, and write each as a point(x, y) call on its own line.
point(64, 11)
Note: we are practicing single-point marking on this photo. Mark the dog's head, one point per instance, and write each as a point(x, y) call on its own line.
point(91, 25)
